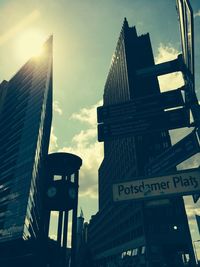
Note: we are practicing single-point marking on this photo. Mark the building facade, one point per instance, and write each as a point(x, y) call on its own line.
point(25, 124)
point(150, 233)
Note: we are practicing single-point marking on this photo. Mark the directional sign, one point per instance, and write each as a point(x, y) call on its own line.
point(161, 69)
point(140, 125)
point(142, 105)
point(179, 183)
point(176, 154)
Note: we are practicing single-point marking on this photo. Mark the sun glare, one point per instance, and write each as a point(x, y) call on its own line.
point(29, 44)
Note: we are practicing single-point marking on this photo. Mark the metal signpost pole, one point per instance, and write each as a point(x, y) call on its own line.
point(186, 22)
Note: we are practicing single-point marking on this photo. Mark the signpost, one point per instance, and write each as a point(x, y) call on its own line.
point(178, 183)
point(146, 114)
point(163, 120)
point(186, 22)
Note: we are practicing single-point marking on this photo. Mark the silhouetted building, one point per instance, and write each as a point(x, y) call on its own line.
point(25, 124)
point(80, 228)
point(62, 196)
point(84, 257)
point(150, 233)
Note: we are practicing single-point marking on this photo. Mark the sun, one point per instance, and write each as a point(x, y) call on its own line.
point(29, 44)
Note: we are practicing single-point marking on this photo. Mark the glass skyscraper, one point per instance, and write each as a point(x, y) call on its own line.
point(25, 124)
point(135, 233)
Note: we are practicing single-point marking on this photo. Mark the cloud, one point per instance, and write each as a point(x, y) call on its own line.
point(192, 162)
point(56, 107)
point(53, 141)
point(53, 233)
point(191, 210)
point(177, 135)
point(84, 144)
point(172, 80)
point(54, 213)
point(84, 137)
point(166, 53)
point(87, 115)
point(9, 33)
point(92, 153)
point(197, 14)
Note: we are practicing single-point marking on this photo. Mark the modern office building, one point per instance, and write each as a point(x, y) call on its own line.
point(80, 229)
point(25, 124)
point(150, 233)
point(84, 257)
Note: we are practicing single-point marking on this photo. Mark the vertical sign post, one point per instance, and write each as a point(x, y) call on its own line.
point(186, 22)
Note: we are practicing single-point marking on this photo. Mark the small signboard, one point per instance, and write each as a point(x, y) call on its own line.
point(137, 125)
point(142, 106)
point(182, 150)
point(180, 183)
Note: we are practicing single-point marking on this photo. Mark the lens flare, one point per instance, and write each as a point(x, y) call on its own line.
point(29, 44)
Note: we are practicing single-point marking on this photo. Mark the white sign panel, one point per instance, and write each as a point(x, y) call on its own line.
point(182, 183)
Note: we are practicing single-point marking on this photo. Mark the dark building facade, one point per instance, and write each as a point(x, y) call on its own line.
point(150, 233)
point(25, 124)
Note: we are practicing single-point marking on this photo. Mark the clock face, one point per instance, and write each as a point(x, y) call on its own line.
point(72, 193)
point(51, 191)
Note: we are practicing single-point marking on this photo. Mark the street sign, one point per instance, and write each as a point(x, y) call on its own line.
point(141, 106)
point(184, 182)
point(137, 125)
point(174, 155)
point(161, 69)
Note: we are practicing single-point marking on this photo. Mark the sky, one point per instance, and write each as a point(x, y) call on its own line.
point(85, 35)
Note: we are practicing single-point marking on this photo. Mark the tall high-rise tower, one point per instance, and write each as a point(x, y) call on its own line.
point(150, 233)
point(25, 124)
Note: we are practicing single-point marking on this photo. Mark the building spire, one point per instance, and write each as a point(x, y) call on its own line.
point(125, 24)
point(81, 213)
